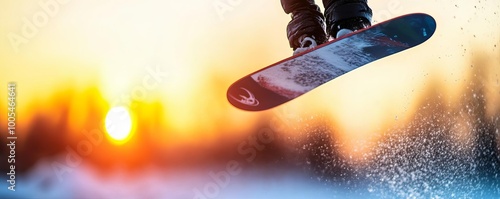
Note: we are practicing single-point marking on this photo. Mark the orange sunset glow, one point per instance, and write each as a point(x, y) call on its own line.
point(140, 87)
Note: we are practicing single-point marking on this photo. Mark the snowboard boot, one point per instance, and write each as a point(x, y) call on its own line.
point(306, 29)
point(346, 16)
point(348, 26)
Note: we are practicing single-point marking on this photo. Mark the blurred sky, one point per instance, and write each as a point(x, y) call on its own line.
point(203, 46)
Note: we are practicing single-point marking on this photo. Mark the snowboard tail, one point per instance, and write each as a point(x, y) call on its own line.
point(299, 74)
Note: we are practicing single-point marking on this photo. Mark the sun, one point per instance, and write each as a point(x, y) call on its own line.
point(118, 124)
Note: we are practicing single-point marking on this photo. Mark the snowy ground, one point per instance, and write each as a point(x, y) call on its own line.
point(84, 183)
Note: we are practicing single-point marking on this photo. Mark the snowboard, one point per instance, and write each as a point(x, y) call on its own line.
point(299, 74)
